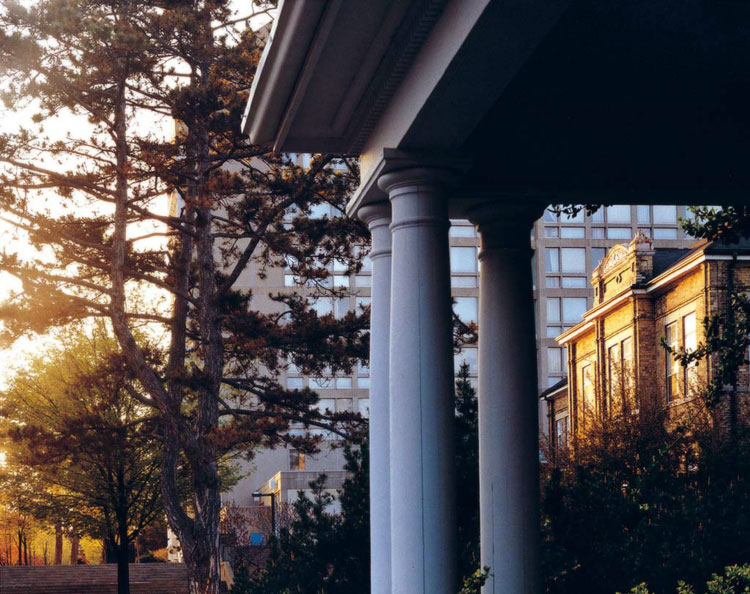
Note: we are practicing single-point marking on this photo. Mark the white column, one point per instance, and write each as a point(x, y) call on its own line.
point(508, 402)
point(378, 219)
point(423, 526)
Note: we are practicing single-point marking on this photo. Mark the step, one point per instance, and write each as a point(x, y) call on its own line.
point(145, 578)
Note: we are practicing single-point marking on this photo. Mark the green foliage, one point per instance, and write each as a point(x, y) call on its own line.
point(638, 502)
point(639, 589)
point(474, 582)
point(727, 224)
point(322, 552)
point(81, 452)
point(572, 210)
point(466, 427)
point(242, 582)
point(736, 580)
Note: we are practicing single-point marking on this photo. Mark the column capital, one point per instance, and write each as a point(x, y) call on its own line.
point(373, 214)
point(506, 225)
point(439, 178)
point(375, 166)
point(419, 196)
point(377, 216)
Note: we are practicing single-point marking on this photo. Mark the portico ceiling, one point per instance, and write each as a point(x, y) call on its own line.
point(642, 101)
point(645, 100)
point(333, 68)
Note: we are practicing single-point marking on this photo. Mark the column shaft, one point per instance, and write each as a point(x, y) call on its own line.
point(508, 428)
point(423, 528)
point(378, 219)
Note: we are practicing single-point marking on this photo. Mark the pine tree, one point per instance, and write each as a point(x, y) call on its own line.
point(467, 471)
point(93, 201)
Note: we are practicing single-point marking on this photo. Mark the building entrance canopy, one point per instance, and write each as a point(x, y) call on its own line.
point(490, 110)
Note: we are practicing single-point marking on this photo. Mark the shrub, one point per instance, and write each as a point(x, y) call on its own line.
point(736, 580)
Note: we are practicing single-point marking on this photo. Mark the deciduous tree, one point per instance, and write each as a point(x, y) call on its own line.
point(83, 452)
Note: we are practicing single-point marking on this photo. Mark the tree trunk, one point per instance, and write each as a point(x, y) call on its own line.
point(123, 544)
point(74, 549)
point(203, 567)
point(199, 536)
point(20, 546)
point(58, 544)
point(123, 567)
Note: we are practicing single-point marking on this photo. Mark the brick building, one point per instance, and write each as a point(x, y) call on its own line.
point(615, 356)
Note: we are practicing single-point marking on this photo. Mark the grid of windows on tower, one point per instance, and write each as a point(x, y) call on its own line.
point(344, 392)
point(566, 252)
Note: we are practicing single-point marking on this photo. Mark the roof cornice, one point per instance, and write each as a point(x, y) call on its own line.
point(666, 278)
point(284, 55)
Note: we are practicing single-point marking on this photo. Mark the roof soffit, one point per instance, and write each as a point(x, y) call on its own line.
point(330, 68)
point(282, 59)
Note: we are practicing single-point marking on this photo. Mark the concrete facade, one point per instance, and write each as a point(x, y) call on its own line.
point(288, 484)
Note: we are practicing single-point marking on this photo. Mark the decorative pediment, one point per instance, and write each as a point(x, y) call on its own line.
point(613, 259)
point(622, 267)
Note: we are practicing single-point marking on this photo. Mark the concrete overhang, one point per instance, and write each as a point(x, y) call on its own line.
point(568, 100)
point(285, 52)
point(328, 68)
point(388, 80)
